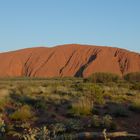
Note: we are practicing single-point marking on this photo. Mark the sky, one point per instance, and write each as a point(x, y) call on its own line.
point(32, 23)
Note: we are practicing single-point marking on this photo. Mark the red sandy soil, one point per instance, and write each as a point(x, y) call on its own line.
point(68, 60)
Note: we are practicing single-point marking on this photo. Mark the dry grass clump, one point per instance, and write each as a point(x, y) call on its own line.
point(82, 106)
point(23, 114)
point(4, 98)
point(135, 106)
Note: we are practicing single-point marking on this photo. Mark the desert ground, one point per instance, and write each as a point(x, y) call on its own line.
point(70, 108)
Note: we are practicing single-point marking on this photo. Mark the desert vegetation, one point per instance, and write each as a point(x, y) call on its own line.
point(132, 77)
point(101, 77)
point(68, 108)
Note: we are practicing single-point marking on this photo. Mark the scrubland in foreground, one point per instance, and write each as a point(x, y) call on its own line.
point(59, 108)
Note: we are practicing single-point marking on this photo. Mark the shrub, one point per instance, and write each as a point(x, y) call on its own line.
point(26, 132)
point(73, 125)
point(95, 93)
point(132, 77)
point(58, 128)
point(4, 98)
point(107, 121)
point(2, 126)
point(22, 114)
point(100, 77)
point(2, 104)
point(96, 121)
point(135, 106)
point(103, 122)
point(41, 105)
point(135, 86)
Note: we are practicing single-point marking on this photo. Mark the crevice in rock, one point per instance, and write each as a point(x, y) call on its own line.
point(34, 74)
point(124, 64)
point(80, 71)
point(26, 67)
point(116, 53)
point(122, 60)
point(61, 70)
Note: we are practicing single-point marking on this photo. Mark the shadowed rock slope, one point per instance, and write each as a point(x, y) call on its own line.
point(68, 60)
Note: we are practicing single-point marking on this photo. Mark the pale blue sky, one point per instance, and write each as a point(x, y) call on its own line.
point(31, 23)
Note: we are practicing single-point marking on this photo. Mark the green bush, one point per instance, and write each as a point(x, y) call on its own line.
point(95, 93)
point(96, 121)
point(107, 122)
point(100, 77)
point(103, 122)
point(132, 77)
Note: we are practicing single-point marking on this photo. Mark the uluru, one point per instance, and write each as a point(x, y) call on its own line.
point(71, 60)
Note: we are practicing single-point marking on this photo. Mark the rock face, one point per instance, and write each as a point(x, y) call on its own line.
point(68, 60)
